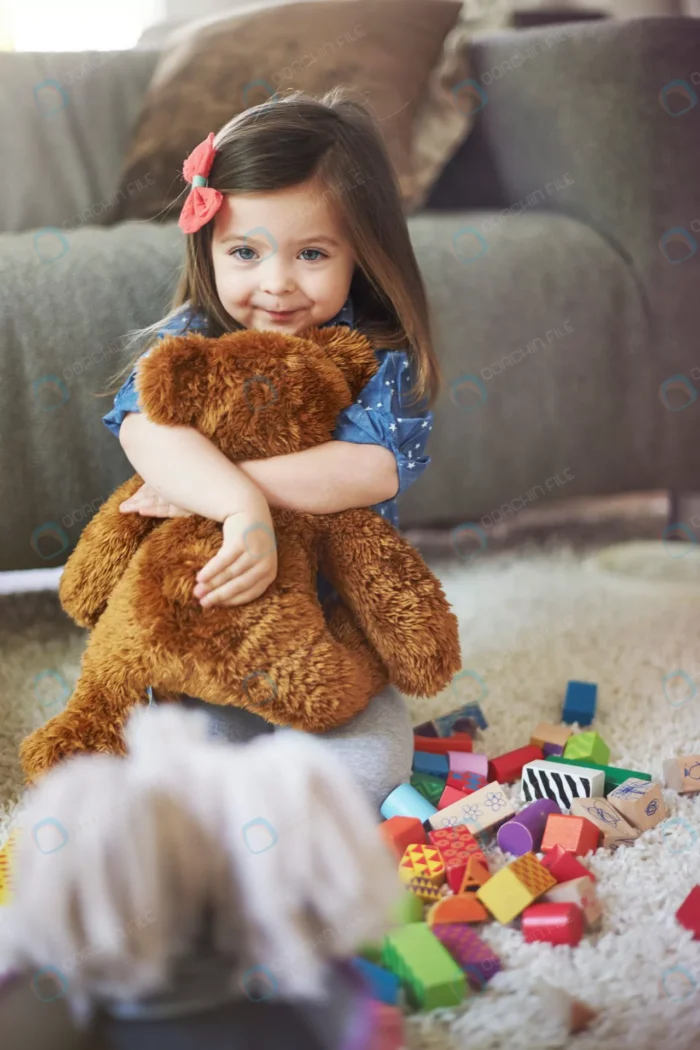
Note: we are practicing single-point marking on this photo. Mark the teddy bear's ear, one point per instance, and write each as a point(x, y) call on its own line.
point(350, 350)
point(173, 379)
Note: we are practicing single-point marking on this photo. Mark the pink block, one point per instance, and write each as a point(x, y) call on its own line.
point(468, 762)
point(387, 1027)
point(449, 796)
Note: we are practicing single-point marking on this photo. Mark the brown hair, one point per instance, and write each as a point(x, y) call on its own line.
point(334, 142)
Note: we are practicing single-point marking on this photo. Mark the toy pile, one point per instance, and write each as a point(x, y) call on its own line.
point(455, 803)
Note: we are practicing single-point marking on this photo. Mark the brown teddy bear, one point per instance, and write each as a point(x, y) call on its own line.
point(131, 579)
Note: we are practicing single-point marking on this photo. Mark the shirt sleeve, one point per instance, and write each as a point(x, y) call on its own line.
point(380, 417)
point(125, 401)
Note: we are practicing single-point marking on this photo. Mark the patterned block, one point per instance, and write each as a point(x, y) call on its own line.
point(614, 775)
point(515, 887)
point(533, 874)
point(474, 955)
point(482, 811)
point(546, 779)
point(475, 875)
point(456, 846)
point(640, 803)
point(425, 889)
point(419, 960)
point(616, 831)
point(429, 787)
point(7, 884)
point(422, 860)
point(683, 774)
point(466, 782)
point(587, 745)
point(445, 724)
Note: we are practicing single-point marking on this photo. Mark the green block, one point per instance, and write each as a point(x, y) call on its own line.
point(420, 961)
point(429, 787)
point(587, 745)
point(372, 951)
point(409, 908)
point(613, 775)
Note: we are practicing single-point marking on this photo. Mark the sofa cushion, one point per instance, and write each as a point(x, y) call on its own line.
point(385, 49)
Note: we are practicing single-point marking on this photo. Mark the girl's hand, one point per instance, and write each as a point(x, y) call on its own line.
point(147, 502)
point(246, 564)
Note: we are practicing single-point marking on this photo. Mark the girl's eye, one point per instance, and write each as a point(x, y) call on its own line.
point(246, 258)
point(314, 251)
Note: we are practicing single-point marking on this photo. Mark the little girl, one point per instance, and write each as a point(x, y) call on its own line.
point(294, 219)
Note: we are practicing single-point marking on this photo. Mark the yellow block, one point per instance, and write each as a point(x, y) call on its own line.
point(6, 881)
point(505, 896)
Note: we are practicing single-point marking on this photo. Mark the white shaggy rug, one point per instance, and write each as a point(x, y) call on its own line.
point(530, 620)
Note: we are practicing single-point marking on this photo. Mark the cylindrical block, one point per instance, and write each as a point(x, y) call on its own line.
point(405, 801)
point(468, 762)
point(553, 923)
point(523, 834)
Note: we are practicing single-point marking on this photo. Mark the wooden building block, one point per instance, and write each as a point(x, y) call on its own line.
point(547, 733)
point(688, 914)
point(590, 746)
point(573, 833)
point(512, 889)
point(614, 775)
point(580, 892)
point(545, 780)
point(417, 957)
point(400, 832)
point(468, 762)
point(450, 795)
point(509, 767)
point(425, 889)
point(474, 955)
point(425, 729)
point(422, 860)
point(445, 724)
point(433, 765)
point(484, 810)
point(460, 908)
point(475, 875)
point(640, 803)
point(405, 801)
point(7, 862)
point(387, 1027)
point(467, 783)
point(683, 774)
point(383, 985)
point(563, 865)
point(431, 788)
point(457, 845)
point(580, 702)
point(441, 745)
point(553, 923)
point(408, 908)
point(613, 826)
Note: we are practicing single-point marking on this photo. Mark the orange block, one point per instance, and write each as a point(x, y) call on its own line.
point(400, 832)
point(575, 834)
point(475, 875)
point(463, 907)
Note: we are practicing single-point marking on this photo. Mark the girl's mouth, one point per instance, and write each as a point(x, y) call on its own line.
point(281, 316)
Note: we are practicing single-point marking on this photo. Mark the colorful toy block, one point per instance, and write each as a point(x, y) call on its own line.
point(433, 765)
point(386, 1023)
point(640, 803)
point(431, 788)
point(688, 914)
point(543, 779)
point(383, 985)
point(475, 875)
point(400, 832)
point(422, 860)
point(552, 749)
point(547, 733)
point(425, 889)
point(478, 961)
point(405, 801)
point(580, 892)
point(483, 810)
point(449, 796)
point(563, 865)
point(456, 845)
point(7, 860)
point(509, 767)
point(580, 703)
point(683, 774)
point(466, 782)
point(614, 775)
point(470, 726)
point(408, 908)
point(440, 745)
point(512, 889)
point(420, 961)
point(460, 908)
point(575, 833)
point(553, 923)
point(425, 729)
point(468, 762)
point(590, 746)
point(445, 724)
point(613, 826)
point(523, 833)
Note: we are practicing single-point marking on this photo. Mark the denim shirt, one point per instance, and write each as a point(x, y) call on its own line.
point(378, 417)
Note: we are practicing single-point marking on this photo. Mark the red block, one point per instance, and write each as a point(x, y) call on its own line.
point(564, 866)
point(509, 767)
point(387, 1027)
point(456, 846)
point(467, 783)
point(688, 914)
point(449, 796)
point(575, 834)
point(401, 832)
point(440, 745)
point(553, 923)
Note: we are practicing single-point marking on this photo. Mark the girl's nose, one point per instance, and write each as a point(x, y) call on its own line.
point(276, 279)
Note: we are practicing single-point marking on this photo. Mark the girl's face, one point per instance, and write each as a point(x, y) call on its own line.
point(281, 261)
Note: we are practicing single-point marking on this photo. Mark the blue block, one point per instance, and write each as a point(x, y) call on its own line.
point(445, 723)
point(435, 765)
point(383, 986)
point(579, 705)
point(405, 801)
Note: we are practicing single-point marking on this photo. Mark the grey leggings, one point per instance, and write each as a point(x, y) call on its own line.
point(376, 745)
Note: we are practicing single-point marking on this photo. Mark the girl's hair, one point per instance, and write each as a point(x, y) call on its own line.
point(334, 143)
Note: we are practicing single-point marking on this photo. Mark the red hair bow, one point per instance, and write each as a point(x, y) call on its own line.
point(203, 201)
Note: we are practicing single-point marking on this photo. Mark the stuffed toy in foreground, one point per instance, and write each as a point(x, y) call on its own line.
point(255, 395)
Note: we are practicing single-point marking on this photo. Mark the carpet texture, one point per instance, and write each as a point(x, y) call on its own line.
point(530, 619)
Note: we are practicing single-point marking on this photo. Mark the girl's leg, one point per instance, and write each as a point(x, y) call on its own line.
point(376, 745)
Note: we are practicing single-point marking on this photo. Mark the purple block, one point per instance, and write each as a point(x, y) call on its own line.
point(523, 833)
point(552, 749)
point(468, 950)
point(468, 762)
point(426, 729)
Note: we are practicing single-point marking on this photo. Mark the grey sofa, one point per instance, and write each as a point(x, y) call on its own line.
point(557, 248)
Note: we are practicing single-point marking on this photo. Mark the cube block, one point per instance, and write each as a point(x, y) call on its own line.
point(547, 733)
point(448, 796)
point(400, 832)
point(431, 788)
point(590, 746)
point(614, 828)
point(688, 914)
point(427, 762)
point(683, 774)
point(640, 803)
point(563, 865)
point(456, 845)
point(573, 833)
point(580, 703)
point(422, 860)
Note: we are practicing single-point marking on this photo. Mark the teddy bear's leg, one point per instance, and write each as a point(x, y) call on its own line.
point(104, 549)
point(398, 602)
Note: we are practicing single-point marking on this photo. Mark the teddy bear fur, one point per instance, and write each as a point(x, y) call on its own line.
point(254, 394)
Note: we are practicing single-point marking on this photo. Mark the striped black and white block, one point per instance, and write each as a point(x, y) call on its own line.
point(561, 782)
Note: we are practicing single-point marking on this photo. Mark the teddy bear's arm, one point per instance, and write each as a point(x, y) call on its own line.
point(398, 602)
point(104, 549)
